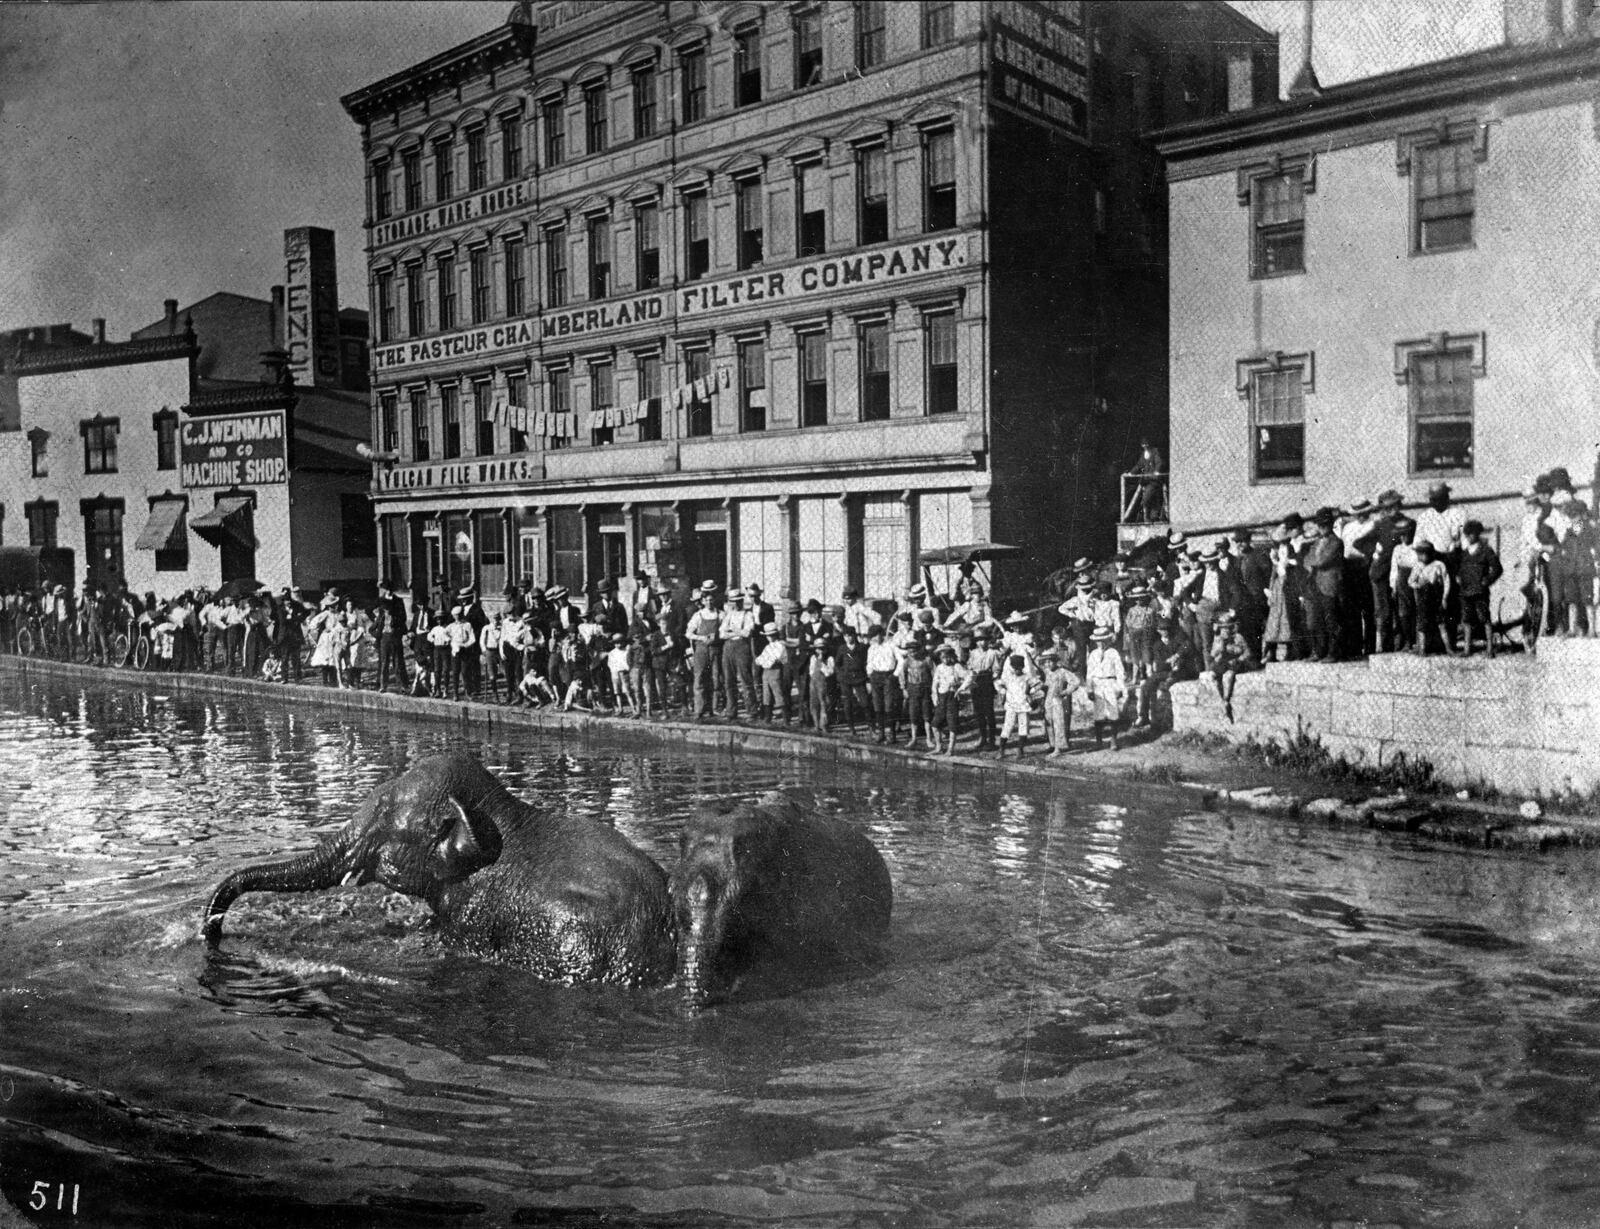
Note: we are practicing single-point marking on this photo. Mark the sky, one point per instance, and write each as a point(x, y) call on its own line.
point(159, 150)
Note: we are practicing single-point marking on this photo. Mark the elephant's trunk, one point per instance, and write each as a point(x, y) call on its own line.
point(323, 867)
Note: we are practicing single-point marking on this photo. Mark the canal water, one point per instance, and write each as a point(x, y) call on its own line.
point(1100, 1007)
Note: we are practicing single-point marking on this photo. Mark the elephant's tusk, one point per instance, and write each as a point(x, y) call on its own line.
point(349, 878)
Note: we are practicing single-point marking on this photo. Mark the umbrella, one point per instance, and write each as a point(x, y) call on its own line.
point(241, 587)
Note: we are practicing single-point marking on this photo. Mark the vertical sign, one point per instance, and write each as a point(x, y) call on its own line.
point(311, 306)
point(1041, 63)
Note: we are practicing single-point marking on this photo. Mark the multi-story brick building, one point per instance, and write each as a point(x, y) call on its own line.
point(783, 292)
point(1388, 283)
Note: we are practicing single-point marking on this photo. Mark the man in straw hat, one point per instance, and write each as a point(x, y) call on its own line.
point(702, 632)
point(738, 628)
point(1107, 683)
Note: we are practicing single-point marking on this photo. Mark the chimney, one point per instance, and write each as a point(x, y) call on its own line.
point(98, 327)
point(275, 319)
point(172, 316)
point(1305, 83)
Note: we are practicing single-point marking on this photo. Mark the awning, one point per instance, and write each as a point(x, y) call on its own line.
point(164, 529)
point(229, 519)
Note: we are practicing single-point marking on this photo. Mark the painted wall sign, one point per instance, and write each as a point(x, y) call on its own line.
point(311, 306)
point(233, 450)
point(467, 209)
point(1041, 63)
point(491, 471)
point(469, 343)
point(821, 276)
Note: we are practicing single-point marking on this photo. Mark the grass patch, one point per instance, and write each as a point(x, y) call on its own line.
point(1305, 755)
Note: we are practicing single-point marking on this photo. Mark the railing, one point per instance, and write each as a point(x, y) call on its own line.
point(1150, 509)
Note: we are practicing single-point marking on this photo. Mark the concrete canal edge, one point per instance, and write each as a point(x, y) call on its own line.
point(1429, 818)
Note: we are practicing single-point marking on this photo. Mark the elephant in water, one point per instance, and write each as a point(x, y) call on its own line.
point(772, 888)
point(561, 895)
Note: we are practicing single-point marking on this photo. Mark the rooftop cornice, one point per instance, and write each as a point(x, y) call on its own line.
point(503, 45)
point(1477, 77)
point(246, 397)
point(45, 360)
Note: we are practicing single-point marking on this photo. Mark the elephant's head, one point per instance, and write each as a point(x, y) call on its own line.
point(718, 887)
point(417, 834)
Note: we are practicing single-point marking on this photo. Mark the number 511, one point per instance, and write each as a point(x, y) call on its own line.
point(39, 1199)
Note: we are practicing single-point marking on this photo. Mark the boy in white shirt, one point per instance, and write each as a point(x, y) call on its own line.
point(770, 661)
point(621, 684)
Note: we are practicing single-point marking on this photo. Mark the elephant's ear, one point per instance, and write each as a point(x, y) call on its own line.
point(468, 842)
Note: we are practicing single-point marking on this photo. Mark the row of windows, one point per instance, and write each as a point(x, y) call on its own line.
point(871, 27)
point(1439, 428)
point(100, 445)
point(1443, 179)
point(749, 385)
point(752, 214)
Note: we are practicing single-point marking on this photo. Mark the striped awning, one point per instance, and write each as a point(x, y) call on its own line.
point(164, 529)
point(229, 519)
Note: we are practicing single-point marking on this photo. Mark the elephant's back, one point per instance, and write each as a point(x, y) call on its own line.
point(841, 876)
point(573, 902)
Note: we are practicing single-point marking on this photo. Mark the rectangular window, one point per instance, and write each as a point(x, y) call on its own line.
point(411, 177)
point(594, 118)
point(517, 395)
point(752, 386)
point(696, 236)
point(39, 445)
point(1278, 209)
point(450, 412)
point(692, 70)
point(458, 548)
point(939, 344)
point(1446, 177)
point(872, 176)
point(1441, 412)
point(516, 276)
point(42, 523)
point(478, 275)
point(647, 235)
point(358, 532)
point(177, 558)
point(1278, 424)
point(167, 441)
point(382, 190)
point(555, 132)
point(747, 66)
point(566, 548)
point(102, 534)
point(697, 411)
point(386, 321)
point(751, 230)
point(874, 372)
point(447, 292)
point(483, 424)
point(396, 551)
point(820, 538)
point(763, 544)
point(885, 546)
point(602, 396)
point(100, 446)
point(444, 170)
point(555, 254)
point(416, 319)
point(811, 203)
point(644, 100)
point(871, 24)
point(650, 394)
point(558, 390)
point(939, 180)
point(420, 439)
point(491, 536)
point(477, 159)
point(938, 23)
point(389, 422)
point(808, 47)
point(599, 257)
point(511, 146)
point(813, 379)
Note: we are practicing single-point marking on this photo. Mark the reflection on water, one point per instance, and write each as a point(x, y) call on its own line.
point(1098, 1008)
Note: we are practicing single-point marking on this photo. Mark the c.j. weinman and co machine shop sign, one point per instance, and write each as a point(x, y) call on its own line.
point(234, 450)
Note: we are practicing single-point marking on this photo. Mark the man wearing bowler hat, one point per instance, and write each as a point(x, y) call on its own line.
point(1386, 535)
point(1323, 560)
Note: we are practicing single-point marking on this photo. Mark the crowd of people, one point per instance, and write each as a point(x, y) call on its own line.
point(935, 670)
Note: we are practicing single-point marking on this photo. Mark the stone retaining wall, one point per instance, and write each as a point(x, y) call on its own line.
point(1523, 723)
